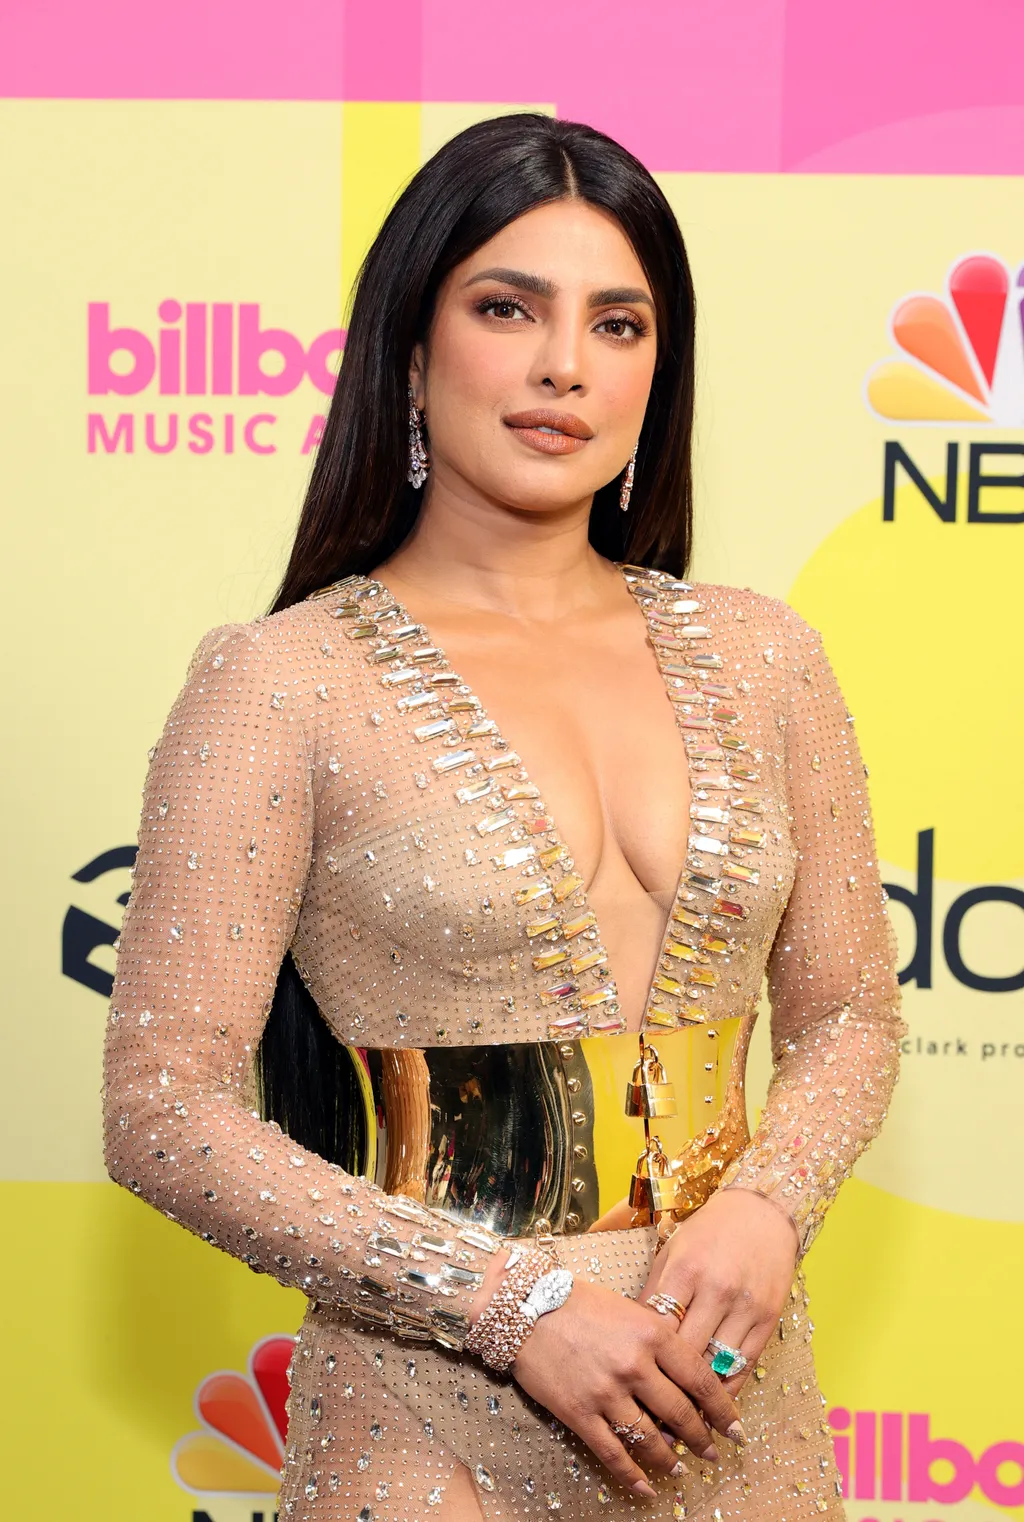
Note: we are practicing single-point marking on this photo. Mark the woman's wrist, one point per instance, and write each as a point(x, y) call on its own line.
point(533, 1284)
point(494, 1273)
point(776, 1205)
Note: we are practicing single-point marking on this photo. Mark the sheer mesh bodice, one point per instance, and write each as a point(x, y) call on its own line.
point(321, 783)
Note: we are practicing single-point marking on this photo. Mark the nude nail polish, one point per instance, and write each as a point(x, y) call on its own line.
point(736, 1432)
point(710, 1455)
point(641, 1488)
point(677, 1469)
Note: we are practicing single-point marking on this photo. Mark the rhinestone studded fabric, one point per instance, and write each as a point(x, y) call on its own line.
point(325, 781)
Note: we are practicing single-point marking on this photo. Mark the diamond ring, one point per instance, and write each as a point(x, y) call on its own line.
point(666, 1305)
point(629, 1432)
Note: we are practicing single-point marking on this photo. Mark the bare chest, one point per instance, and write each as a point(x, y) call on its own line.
point(590, 716)
point(580, 818)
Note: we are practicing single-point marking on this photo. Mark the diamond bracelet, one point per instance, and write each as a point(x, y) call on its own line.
point(533, 1285)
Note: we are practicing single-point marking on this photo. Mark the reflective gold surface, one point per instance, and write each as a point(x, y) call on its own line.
point(514, 1136)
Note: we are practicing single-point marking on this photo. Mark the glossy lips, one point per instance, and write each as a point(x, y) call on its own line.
point(570, 432)
point(241, 1447)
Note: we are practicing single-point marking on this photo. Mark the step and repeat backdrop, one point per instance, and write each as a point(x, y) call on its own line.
point(187, 192)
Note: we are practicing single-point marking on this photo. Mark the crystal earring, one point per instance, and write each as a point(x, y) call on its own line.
point(627, 480)
point(419, 462)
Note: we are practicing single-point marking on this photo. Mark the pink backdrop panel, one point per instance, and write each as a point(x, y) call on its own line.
point(897, 86)
point(852, 70)
point(171, 49)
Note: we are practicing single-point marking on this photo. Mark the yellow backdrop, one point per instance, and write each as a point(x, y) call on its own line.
point(147, 223)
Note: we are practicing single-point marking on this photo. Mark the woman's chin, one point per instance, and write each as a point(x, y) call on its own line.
point(546, 497)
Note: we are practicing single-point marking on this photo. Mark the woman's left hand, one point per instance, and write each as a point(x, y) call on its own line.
point(731, 1264)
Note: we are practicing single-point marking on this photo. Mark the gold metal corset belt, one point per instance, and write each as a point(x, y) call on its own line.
point(595, 1133)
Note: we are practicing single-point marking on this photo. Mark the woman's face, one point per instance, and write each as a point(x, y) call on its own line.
point(549, 326)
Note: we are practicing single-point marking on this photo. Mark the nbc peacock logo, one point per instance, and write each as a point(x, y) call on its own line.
point(239, 1448)
point(961, 355)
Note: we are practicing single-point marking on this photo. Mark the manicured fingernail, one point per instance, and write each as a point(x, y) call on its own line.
point(711, 1454)
point(677, 1469)
point(736, 1432)
point(641, 1488)
point(669, 1437)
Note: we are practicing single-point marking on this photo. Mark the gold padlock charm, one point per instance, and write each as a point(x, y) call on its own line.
point(653, 1185)
point(649, 1093)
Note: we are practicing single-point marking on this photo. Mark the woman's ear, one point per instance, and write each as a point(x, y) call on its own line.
point(417, 376)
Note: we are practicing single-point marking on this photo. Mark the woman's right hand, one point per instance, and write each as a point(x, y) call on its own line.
point(601, 1358)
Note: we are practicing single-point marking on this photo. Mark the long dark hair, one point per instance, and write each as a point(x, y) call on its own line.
point(359, 506)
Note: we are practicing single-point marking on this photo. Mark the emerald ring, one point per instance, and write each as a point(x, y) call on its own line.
point(726, 1360)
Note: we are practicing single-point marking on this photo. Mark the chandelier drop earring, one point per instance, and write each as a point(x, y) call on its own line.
point(627, 480)
point(419, 462)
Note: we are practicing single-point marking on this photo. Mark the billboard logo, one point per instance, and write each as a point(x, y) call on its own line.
point(892, 1456)
point(961, 355)
point(239, 1449)
point(204, 348)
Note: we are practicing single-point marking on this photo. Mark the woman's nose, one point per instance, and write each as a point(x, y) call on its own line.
point(560, 357)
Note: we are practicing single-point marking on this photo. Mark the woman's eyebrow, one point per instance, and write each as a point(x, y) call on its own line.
point(619, 296)
point(537, 285)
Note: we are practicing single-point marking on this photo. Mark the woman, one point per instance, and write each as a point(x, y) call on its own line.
point(492, 913)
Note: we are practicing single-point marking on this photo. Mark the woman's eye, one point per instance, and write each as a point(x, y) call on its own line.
point(622, 327)
point(503, 308)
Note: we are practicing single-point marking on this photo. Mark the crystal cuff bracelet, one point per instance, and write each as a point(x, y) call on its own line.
point(508, 1317)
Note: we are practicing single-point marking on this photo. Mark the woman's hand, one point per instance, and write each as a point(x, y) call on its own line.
point(731, 1264)
point(600, 1359)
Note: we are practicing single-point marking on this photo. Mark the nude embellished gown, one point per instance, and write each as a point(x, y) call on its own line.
point(325, 782)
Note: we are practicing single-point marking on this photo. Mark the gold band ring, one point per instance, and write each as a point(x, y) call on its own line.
point(666, 1305)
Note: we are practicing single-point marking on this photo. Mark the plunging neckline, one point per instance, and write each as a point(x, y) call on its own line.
point(582, 895)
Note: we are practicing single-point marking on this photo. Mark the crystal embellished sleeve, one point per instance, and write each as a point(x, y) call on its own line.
point(225, 842)
point(832, 981)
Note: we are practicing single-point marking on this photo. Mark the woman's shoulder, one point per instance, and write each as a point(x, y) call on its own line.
point(294, 629)
point(764, 630)
point(287, 647)
point(744, 605)
point(757, 614)
point(755, 626)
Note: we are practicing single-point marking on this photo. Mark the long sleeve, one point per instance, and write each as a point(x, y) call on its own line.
point(225, 843)
point(832, 981)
